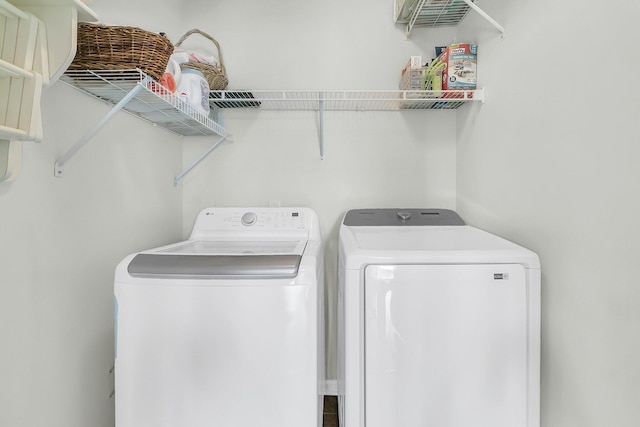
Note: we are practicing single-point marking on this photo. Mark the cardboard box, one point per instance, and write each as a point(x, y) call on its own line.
point(412, 80)
point(412, 74)
point(460, 66)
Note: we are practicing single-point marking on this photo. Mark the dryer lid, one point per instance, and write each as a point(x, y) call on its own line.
point(363, 246)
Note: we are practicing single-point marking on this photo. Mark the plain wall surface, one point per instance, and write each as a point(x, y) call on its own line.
point(61, 240)
point(550, 161)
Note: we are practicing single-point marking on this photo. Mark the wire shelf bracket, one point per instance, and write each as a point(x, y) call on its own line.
point(62, 161)
point(198, 160)
point(485, 15)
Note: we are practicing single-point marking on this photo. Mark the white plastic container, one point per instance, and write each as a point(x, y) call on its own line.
point(194, 89)
point(173, 68)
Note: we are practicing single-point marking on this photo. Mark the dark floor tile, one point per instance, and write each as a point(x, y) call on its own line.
point(330, 420)
point(330, 405)
point(330, 416)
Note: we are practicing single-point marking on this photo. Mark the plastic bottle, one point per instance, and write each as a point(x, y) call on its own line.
point(195, 90)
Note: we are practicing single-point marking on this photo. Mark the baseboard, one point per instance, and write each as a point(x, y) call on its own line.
point(330, 387)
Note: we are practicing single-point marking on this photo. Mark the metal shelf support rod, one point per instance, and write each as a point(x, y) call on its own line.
point(196, 161)
point(60, 163)
point(484, 14)
point(414, 17)
point(321, 124)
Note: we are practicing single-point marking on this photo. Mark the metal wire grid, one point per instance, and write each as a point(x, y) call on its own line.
point(439, 12)
point(152, 103)
point(343, 100)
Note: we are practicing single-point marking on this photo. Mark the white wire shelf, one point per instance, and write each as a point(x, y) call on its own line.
point(321, 101)
point(437, 13)
point(390, 100)
point(135, 92)
point(153, 103)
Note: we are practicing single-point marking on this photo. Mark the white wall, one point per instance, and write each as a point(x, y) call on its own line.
point(60, 240)
point(550, 161)
point(373, 159)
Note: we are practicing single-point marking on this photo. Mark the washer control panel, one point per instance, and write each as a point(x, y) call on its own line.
point(292, 220)
point(255, 219)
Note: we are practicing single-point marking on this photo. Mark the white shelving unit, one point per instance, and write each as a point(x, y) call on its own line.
point(135, 92)
point(21, 77)
point(61, 19)
point(37, 43)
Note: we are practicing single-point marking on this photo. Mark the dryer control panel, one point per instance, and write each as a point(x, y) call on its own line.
point(401, 217)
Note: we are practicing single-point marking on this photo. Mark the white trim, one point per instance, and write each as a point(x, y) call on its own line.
point(330, 387)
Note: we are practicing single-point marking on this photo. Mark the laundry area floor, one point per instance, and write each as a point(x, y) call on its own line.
point(330, 412)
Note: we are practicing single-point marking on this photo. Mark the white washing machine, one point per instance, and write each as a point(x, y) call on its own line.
point(226, 328)
point(439, 323)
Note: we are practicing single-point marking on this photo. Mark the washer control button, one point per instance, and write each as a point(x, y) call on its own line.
point(249, 219)
point(404, 215)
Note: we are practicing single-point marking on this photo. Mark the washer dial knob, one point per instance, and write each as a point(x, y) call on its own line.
point(404, 215)
point(249, 219)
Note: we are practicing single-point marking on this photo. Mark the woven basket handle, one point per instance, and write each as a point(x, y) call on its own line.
point(202, 33)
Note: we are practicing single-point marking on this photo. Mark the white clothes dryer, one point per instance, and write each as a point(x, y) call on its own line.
point(439, 323)
point(225, 328)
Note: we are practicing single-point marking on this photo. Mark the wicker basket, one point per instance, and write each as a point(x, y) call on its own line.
point(216, 75)
point(102, 47)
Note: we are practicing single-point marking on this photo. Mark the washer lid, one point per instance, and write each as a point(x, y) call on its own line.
point(236, 247)
point(215, 266)
point(221, 259)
